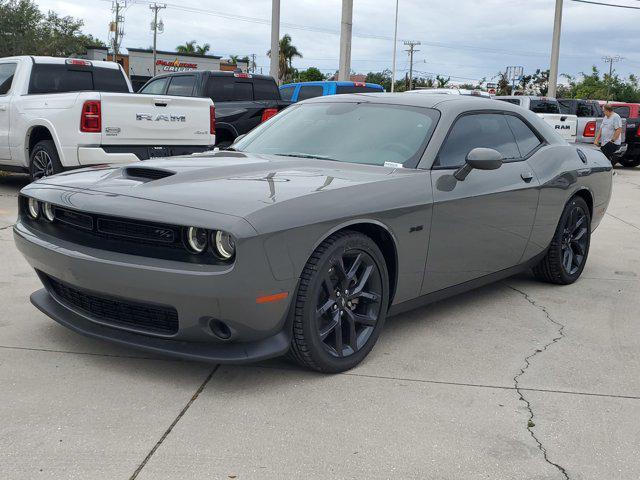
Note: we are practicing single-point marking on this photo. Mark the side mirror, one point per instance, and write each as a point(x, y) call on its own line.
point(480, 159)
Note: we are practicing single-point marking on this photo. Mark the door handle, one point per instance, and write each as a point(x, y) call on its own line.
point(3, 108)
point(526, 176)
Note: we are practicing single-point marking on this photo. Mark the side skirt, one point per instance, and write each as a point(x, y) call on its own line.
point(463, 287)
point(13, 168)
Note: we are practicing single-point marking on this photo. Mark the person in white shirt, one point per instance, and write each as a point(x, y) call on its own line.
point(609, 136)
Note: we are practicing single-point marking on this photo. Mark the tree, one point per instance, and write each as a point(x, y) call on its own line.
point(504, 88)
point(25, 30)
point(540, 82)
point(188, 47)
point(442, 82)
point(380, 78)
point(203, 49)
point(311, 74)
point(594, 86)
point(285, 63)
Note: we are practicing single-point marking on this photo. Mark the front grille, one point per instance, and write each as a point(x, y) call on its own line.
point(117, 312)
point(137, 231)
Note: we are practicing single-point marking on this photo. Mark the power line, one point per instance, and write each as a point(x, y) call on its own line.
point(606, 4)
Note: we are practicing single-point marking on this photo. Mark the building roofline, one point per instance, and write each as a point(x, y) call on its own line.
point(164, 52)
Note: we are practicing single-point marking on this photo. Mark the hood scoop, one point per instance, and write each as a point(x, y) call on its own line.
point(147, 174)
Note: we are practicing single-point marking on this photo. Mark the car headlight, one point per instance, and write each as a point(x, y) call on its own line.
point(197, 239)
point(47, 211)
point(225, 245)
point(33, 207)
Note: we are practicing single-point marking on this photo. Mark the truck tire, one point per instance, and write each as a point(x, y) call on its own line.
point(630, 162)
point(44, 160)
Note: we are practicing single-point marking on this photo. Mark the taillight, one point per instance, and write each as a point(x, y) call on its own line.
point(91, 117)
point(267, 113)
point(212, 120)
point(589, 129)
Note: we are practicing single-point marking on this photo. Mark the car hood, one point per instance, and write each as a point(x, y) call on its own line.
point(232, 183)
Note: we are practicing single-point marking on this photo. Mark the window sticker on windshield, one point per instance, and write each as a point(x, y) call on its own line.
point(393, 165)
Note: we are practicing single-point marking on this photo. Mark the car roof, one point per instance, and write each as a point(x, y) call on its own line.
point(63, 60)
point(426, 101)
point(348, 83)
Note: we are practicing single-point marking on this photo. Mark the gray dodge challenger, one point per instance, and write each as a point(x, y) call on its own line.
point(307, 233)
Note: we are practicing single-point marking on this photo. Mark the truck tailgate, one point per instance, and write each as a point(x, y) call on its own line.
point(136, 119)
point(565, 125)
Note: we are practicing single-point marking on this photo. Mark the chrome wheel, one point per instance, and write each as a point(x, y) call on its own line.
point(41, 165)
point(349, 303)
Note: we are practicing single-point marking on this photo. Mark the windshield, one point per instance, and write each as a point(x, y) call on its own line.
point(346, 132)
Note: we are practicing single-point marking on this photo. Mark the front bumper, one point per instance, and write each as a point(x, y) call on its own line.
point(199, 293)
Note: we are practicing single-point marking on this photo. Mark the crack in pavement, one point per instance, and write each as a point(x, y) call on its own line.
point(527, 364)
point(623, 221)
point(174, 423)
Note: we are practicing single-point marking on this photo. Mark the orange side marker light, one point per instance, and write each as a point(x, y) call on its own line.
point(272, 298)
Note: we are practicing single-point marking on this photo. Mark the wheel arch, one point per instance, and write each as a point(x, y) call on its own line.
point(35, 134)
point(383, 237)
point(587, 196)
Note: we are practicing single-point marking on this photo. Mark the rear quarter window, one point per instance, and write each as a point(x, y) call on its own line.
point(309, 91)
point(287, 93)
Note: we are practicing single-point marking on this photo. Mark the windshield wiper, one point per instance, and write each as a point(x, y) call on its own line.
point(306, 155)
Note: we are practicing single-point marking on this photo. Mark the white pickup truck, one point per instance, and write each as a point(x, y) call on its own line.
point(58, 113)
point(549, 110)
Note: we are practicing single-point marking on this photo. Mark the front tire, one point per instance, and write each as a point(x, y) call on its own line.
point(44, 160)
point(341, 303)
point(569, 248)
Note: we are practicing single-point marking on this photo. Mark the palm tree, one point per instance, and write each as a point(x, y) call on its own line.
point(287, 52)
point(203, 49)
point(189, 47)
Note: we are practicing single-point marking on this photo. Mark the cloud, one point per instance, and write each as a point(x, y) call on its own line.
point(465, 40)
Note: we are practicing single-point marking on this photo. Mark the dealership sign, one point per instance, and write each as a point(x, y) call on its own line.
point(176, 66)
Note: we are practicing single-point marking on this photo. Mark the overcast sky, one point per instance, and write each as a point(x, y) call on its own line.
point(464, 39)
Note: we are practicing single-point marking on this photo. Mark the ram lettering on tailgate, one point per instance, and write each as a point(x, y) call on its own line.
point(148, 117)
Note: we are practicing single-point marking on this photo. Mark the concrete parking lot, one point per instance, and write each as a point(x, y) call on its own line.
point(518, 380)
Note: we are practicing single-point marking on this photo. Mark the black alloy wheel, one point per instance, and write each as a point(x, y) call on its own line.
point(569, 248)
point(349, 302)
point(341, 303)
point(575, 240)
point(44, 160)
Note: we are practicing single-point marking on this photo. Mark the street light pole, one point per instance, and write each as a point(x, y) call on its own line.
point(395, 42)
point(345, 40)
point(155, 7)
point(610, 60)
point(555, 50)
point(274, 66)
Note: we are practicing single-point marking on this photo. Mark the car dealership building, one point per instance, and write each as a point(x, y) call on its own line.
point(138, 63)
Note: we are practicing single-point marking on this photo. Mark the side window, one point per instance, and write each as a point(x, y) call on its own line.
point(622, 111)
point(287, 92)
point(155, 87)
point(309, 91)
point(6, 77)
point(488, 130)
point(182, 85)
point(565, 106)
point(243, 91)
point(526, 139)
point(584, 110)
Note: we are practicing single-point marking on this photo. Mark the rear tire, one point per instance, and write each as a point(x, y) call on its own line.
point(569, 248)
point(341, 303)
point(44, 160)
point(630, 162)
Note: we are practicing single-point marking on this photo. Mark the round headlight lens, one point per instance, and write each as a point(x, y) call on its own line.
point(47, 211)
point(34, 208)
point(225, 244)
point(197, 239)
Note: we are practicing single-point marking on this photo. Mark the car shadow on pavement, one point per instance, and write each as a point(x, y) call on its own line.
point(12, 182)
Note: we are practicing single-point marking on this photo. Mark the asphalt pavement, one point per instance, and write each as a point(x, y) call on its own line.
point(517, 380)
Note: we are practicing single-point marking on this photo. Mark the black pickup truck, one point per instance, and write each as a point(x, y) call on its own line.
point(241, 100)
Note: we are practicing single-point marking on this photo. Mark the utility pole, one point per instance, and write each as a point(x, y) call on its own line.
point(116, 27)
point(155, 26)
point(253, 63)
point(395, 43)
point(345, 40)
point(555, 50)
point(411, 44)
point(611, 60)
point(274, 68)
